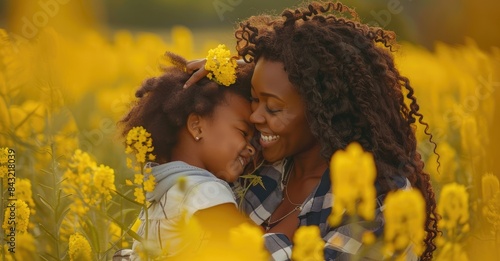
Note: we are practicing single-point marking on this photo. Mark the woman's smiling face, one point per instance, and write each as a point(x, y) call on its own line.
point(279, 113)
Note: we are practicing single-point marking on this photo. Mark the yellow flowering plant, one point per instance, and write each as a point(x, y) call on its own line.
point(491, 201)
point(221, 65)
point(91, 188)
point(139, 148)
point(308, 244)
point(79, 248)
point(353, 175)
point(47, 113)
point(404, 216)
point(453, 206)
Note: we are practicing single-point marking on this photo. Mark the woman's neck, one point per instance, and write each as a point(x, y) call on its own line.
point(309, 164)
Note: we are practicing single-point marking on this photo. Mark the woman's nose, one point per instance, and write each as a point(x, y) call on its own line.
point(256, 117)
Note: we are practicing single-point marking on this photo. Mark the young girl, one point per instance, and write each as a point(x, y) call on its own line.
point(201, 135)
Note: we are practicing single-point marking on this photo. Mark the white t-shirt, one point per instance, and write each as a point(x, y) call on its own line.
point(168, 215)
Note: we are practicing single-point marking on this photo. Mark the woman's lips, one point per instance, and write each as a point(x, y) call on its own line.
point(267, 140)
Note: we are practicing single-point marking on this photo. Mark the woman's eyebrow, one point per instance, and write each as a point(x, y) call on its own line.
point(266, 94)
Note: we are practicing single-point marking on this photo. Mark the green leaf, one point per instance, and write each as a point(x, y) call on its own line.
point(46, 203)
point(128, 199)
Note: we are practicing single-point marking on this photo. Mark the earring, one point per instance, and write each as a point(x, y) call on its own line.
point(197, 138)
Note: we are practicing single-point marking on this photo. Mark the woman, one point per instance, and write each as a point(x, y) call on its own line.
point(321, 81)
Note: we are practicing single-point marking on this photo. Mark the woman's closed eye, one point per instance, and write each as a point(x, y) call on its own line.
point(272, 111)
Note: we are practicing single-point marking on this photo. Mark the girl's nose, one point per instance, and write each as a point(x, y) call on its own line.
point(248, 151)
point(251, 149)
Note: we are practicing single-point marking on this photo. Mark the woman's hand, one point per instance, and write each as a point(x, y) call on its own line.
point(197, 68)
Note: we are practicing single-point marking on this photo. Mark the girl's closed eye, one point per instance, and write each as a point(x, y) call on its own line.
point(244, 133)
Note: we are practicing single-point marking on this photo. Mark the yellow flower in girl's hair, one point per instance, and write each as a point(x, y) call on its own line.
point(221, 66)
point(353, 175)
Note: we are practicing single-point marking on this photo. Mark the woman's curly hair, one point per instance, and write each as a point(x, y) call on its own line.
point(163, 106)
point(346, 75)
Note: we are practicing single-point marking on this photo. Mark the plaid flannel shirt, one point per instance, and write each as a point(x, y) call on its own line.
point(340, 243)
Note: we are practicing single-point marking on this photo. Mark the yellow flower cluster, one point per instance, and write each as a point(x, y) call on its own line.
point(247, 242)
point(21, 212)
point(4, 153)
point(140, 145)
point(454, 209)
point(404, 215)
point(90, 184)
point(79, 248)
point(221, 65)
point(25, 248)
point(491, 198)
point(24, 193)
point(353, 175)
point(104, 181)
point(308, 244)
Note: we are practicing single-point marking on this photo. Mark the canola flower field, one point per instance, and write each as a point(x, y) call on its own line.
point(71, 190)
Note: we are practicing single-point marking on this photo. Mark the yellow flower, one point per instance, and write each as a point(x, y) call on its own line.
point(451, 251)
point(308, 244)
point(25, 248)
point(470, 134)
point(221, 66)
point(138, 179)
point(368, 238)
point(149, 184)
point(18, 212)
point(104, 182)
point(4, 170)
point(24, 192)
point(79, 248)
point(247, 242)
point(491, 198)
point(353, 175)
point(454, 208)
point(404, 215)
point(139, 143)
point(490, 186)
point(139, 195)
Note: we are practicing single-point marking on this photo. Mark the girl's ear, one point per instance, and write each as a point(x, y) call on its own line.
point(194, 124)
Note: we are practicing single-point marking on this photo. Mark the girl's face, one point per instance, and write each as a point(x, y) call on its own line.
point(226, 148)
point(279, 113)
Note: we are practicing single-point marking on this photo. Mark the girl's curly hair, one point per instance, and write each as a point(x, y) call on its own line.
point(351, 87)
point(163, 106)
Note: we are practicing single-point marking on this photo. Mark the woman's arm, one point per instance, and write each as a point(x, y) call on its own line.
point(197, 68)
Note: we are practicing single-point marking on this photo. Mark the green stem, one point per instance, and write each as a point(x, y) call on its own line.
point(2, 217)
point(55, 196)
point(145, 208)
